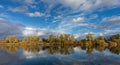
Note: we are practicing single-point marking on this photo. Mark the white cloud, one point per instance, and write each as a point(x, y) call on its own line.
point(19, 9)
point(33, 31)
point(30, 55)
point(35, 14)
point(101, 34)
point(43, 32)
point(79, 19)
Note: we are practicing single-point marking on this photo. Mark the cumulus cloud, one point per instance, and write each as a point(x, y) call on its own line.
point(28, 31)
point(43, 32)
point(41, 53)
point(19, 9)
point(35, 14)
point(19, 30)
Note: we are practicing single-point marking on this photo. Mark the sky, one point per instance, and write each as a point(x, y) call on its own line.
point(45, 17)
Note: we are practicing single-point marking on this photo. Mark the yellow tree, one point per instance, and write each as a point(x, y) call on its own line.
point(12, 39)
point(51, 38)
point(90, 39)
point(31, 39)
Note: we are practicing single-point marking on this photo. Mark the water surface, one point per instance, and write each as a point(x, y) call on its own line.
point(58, 55)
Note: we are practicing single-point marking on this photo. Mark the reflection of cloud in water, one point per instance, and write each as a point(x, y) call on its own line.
point(78, 57)
point(78, 49)
point(108, 53)
point(29, 55)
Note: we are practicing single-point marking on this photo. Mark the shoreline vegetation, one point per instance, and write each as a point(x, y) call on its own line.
point(62, 43)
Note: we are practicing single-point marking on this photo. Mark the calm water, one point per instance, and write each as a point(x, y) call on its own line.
point(57, 56)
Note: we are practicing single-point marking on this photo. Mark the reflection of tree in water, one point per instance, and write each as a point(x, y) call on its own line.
point(29, 48)
point(10, 48)
point(89, 51)
point(115, 50)
point(59, 49)
point(62, 49)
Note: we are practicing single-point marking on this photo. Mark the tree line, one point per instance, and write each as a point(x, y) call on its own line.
point(63, 39)
point(61, 43)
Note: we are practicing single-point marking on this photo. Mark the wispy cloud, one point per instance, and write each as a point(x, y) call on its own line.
point(108, 22)
point(35, 14)
point(79, 19)
point(19, 9)
point(83, 24)
point(112, 19)
point(112, 31)
point(89, 4)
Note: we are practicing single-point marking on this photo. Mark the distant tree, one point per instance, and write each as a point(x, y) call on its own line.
point(45, 40)
point(51, 38)
point(61, 38)
point(90, 37)
point(83, 43)
point(12, 39)
point(72, 39)
point(115, 38)
point(101, 38)
point(100, 41)
point(31, 39)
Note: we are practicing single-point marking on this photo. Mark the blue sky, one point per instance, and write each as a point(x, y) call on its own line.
point(44, 17)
